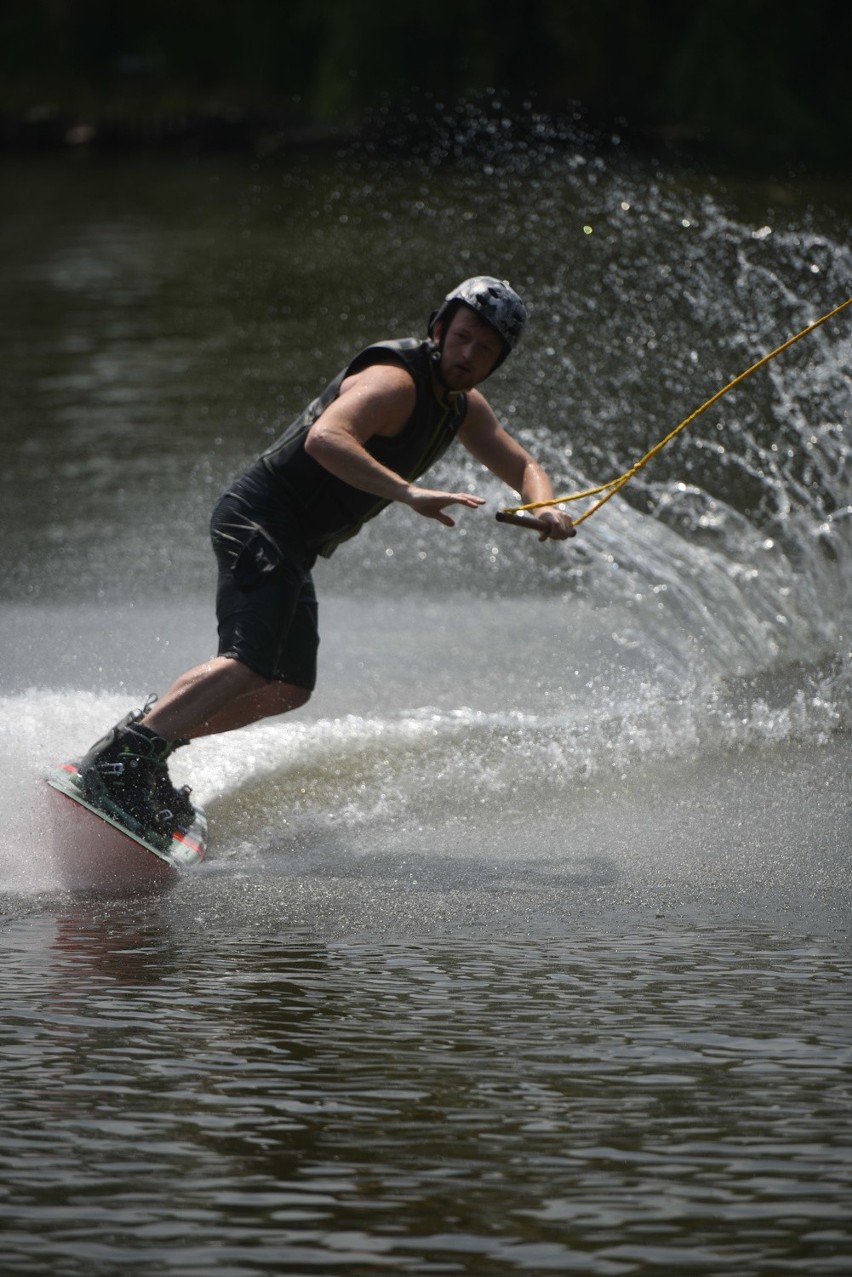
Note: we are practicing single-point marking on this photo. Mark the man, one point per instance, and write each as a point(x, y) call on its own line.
point(362, 444)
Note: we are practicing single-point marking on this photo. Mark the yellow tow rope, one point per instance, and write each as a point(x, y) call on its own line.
point(615, 485)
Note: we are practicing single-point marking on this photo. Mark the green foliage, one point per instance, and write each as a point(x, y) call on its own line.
point(742, 74)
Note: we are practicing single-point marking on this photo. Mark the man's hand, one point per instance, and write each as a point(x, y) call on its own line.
point(432, 503)
point(560, 525)
point(487, 441)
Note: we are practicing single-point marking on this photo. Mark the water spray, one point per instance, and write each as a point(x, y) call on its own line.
point(518, 515)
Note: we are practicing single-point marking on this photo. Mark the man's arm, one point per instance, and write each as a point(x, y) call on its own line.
point(377, 401)
point(487, 441)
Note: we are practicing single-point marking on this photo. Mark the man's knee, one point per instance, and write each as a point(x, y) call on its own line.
point(301, 696)
point(279, 698)
point(244, 679)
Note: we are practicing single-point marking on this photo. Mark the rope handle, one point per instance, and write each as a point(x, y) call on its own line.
point(615, 485)
point(522, 520)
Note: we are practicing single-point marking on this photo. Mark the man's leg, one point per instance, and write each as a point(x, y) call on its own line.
point(220, 695)
point(271, 626)
point(125, 772)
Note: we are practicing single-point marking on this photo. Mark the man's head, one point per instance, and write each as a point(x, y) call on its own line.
point(493, 303)
point(469, 349)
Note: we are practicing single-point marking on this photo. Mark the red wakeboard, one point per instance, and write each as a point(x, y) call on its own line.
point(94, 852)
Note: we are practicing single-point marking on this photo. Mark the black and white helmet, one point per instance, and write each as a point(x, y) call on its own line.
point(494, 301)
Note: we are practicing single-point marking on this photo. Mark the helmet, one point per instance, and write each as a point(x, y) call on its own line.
point(494, 301)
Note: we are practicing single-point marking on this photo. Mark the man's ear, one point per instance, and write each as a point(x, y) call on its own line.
point(438, 331)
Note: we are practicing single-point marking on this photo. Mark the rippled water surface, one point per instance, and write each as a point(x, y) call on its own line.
point(525, 946)
point(189, 1097)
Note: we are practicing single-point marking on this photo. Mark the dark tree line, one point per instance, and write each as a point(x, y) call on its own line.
point(752, 77)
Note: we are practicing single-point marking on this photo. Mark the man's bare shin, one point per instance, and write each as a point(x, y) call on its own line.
point(268, 701)
point(200, 695)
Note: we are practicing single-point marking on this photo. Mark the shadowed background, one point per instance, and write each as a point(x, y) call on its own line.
point(524, 948)
point(748, 79)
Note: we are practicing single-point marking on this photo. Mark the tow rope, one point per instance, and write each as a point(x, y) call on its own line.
point(518, 513)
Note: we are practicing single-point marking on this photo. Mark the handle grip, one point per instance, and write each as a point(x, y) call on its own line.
point(523, 521)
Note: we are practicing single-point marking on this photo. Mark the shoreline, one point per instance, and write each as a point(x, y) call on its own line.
point(415, 132)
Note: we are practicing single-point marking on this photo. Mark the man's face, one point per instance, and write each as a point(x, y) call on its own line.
point(471, 350)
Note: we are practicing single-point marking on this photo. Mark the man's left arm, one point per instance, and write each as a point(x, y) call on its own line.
point(487, 441)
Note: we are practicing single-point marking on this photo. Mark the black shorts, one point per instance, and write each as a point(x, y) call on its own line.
point(266, 606)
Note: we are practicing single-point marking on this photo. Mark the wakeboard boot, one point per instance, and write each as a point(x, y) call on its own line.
point(125, 775)
point(168, 796)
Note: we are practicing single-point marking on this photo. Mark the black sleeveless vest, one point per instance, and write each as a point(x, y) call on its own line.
point(331, 511)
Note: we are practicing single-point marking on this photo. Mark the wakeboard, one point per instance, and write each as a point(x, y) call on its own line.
point(94, 852)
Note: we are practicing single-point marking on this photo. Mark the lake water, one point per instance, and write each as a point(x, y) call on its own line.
point(524, 948)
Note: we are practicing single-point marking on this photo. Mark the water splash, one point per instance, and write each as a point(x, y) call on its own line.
point(703, 615)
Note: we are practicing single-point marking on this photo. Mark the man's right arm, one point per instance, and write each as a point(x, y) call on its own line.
point(377, 401)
